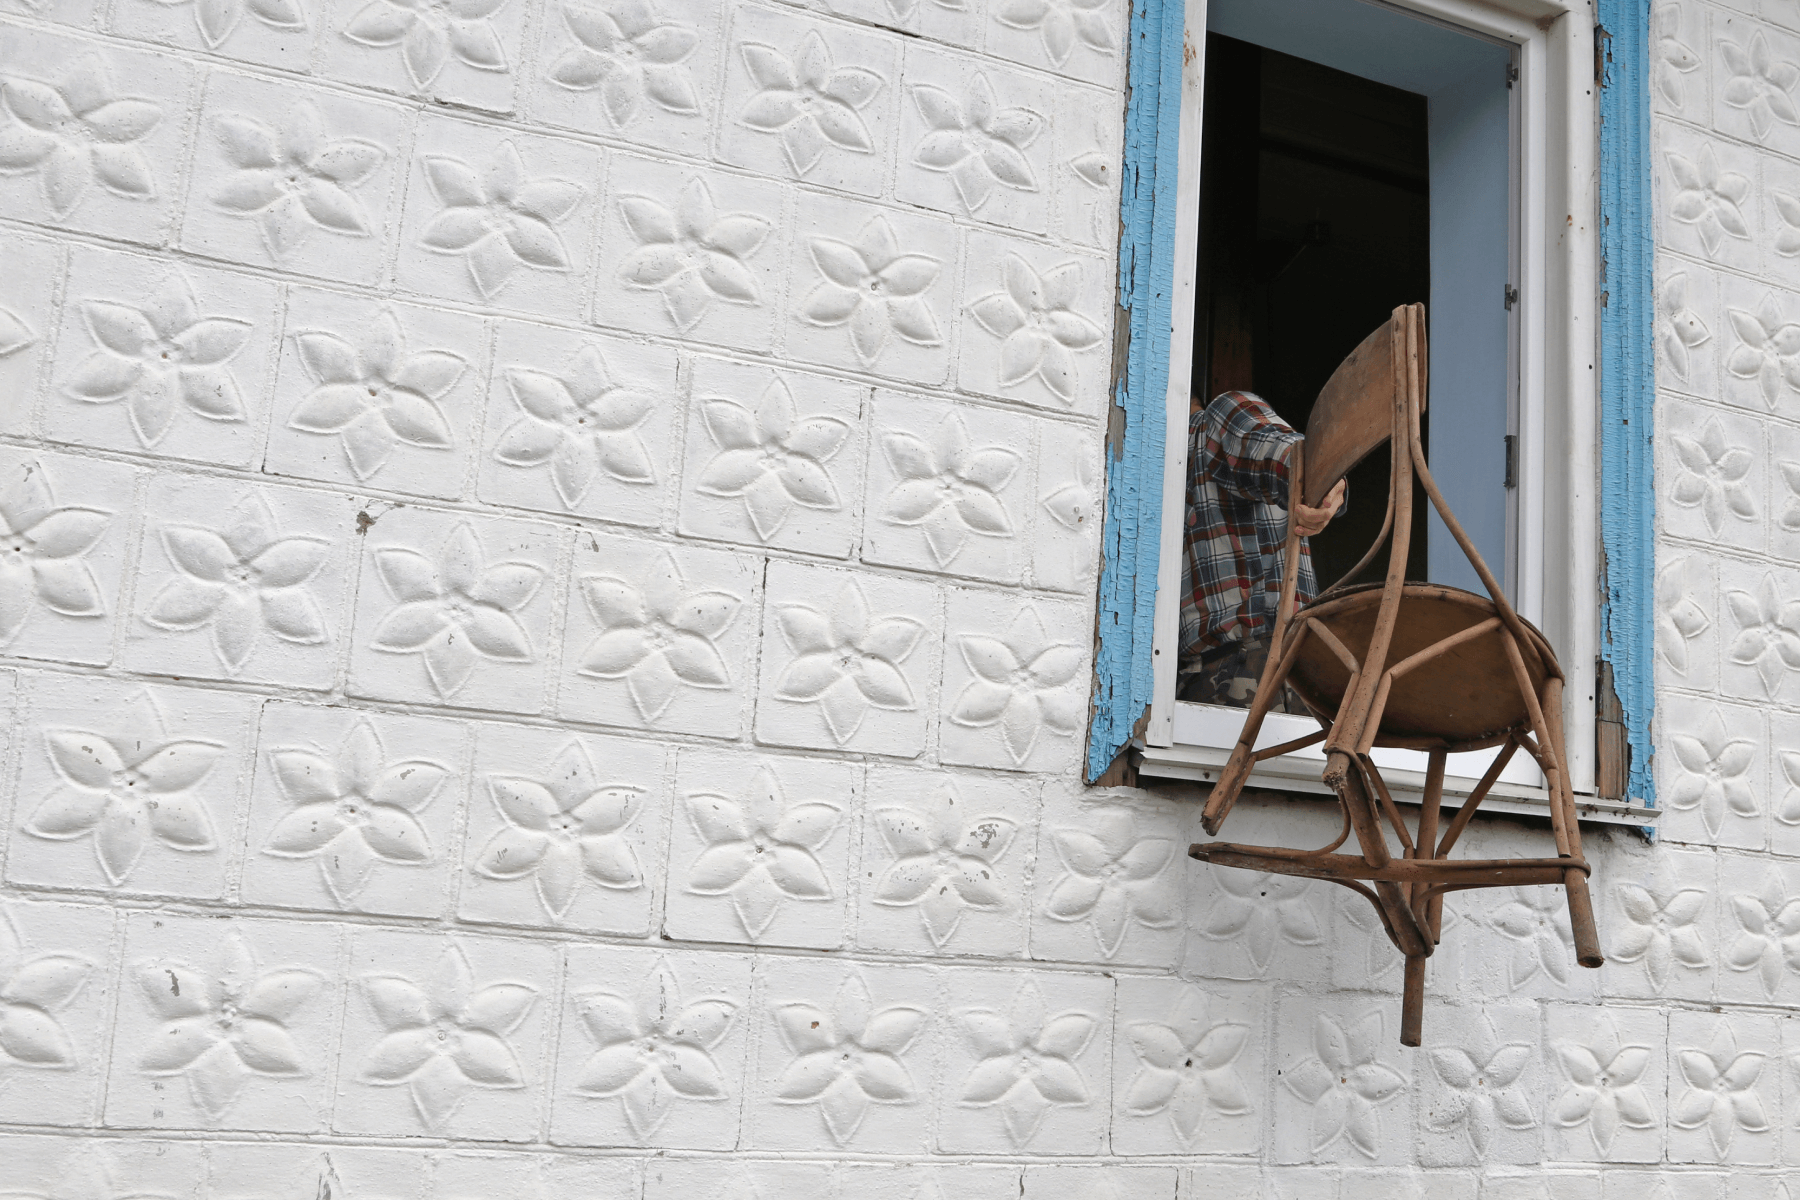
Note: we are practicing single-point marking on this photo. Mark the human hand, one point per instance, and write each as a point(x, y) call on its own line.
point(1312, 521)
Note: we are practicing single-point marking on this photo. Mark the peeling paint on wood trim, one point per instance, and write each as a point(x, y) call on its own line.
point(1627, 377)
point(1131, 540)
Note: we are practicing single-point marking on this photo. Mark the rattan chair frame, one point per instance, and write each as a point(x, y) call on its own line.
point(1406, 887)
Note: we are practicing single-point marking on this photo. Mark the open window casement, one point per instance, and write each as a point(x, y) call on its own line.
point(1341, 157)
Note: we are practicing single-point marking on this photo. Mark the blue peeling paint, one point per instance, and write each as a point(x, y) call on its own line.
point(1132, 534)
point(1628, 376)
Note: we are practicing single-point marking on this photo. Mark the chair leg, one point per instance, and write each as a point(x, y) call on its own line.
point(1581, 905)
point(1243, 755)
point(1412, 1002)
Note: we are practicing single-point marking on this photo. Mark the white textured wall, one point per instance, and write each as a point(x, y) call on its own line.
point(546, 585)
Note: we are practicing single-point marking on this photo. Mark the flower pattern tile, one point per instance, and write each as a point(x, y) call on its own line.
point(125, 783)
point(845, 663)
point(48, 577)
point(847, 1056)
point(440, 612)
point(757, 850)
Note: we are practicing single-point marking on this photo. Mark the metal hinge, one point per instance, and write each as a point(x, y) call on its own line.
point(1512, 296)
point(1512, 74)
point(1512, 460)
point(1602, 54)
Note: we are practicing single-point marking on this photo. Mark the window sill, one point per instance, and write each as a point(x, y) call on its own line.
point(1204, 735)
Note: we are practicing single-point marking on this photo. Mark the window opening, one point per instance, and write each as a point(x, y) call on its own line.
point(1356, 174)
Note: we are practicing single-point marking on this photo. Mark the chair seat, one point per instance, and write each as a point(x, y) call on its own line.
point(1464, 699)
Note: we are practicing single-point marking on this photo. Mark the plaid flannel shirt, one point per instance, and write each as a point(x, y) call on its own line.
point(1236, 525)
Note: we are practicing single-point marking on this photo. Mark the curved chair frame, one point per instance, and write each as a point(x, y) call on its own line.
point(1494, 663)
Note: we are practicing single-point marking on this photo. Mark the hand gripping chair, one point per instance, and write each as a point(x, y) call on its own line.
point(1414, 665)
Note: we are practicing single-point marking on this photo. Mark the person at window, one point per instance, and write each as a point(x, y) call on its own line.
point(1232, 547)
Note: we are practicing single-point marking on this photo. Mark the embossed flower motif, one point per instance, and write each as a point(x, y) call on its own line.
point(563, 827)
point(1760, 84)
point(692, 255)
point(1660, 928)
point(1112, 877)
point(15, 333)
point(158, 356)
point(90, 1171)
point(944, 861)
point(1787, 240)
point(1021, 684)
point(1721, 1090)
point(1769, 937)
point(1258, 907)
point(1039, 331)
point(760, 850)
point(904, 9)
point(217, 20)
point(1789, 811)
point(1482, 1090)
point(353, 810)
point(874, 289)
point(374, 394)
point(844, 662)
point(293, 178)
point(1708, 198)
point(431, 32)
point(657, 635)
point(1071, 504)
point(771, 457)
point(948, 488)
point(1605, 1090)
point(809, 101)
point(1790, 510)
point(1093, 168)
point(1710, 476)
point(1062, 24)
point(457, 610)
point(239, 581)
point(1185, 1066)
point(1712, 773)
point(977, 143)
point(1025, 1060)
point(33, 989)
point(1679, 619)
point(223, 1027)
point(445, 1038)
point(77, 132)
point(1534, 922)
point(1345, 1084)
point(1768, 349)
point(654, 1050)
point(631, 53)
point(1673, 57)
point(1769, 632)
point(580, 422)
point(41, 553)
point(1682, 329)
point(847, 1058)
point(125, 785)
point(500, 219)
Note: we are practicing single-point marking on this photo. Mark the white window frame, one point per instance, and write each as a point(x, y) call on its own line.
point(1556, 580)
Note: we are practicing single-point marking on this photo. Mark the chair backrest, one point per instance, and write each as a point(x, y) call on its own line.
point(1359, 406)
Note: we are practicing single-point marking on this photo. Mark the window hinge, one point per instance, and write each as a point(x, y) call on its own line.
point(1512, 74)
point(1512, 461)
point(1512, 296)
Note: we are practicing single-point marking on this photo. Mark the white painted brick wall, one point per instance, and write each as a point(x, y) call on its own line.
point(524, 521)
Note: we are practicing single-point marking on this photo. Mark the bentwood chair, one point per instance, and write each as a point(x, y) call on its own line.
point(1419, 666)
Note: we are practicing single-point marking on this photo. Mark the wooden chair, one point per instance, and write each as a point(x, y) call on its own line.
point(1414, 665)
